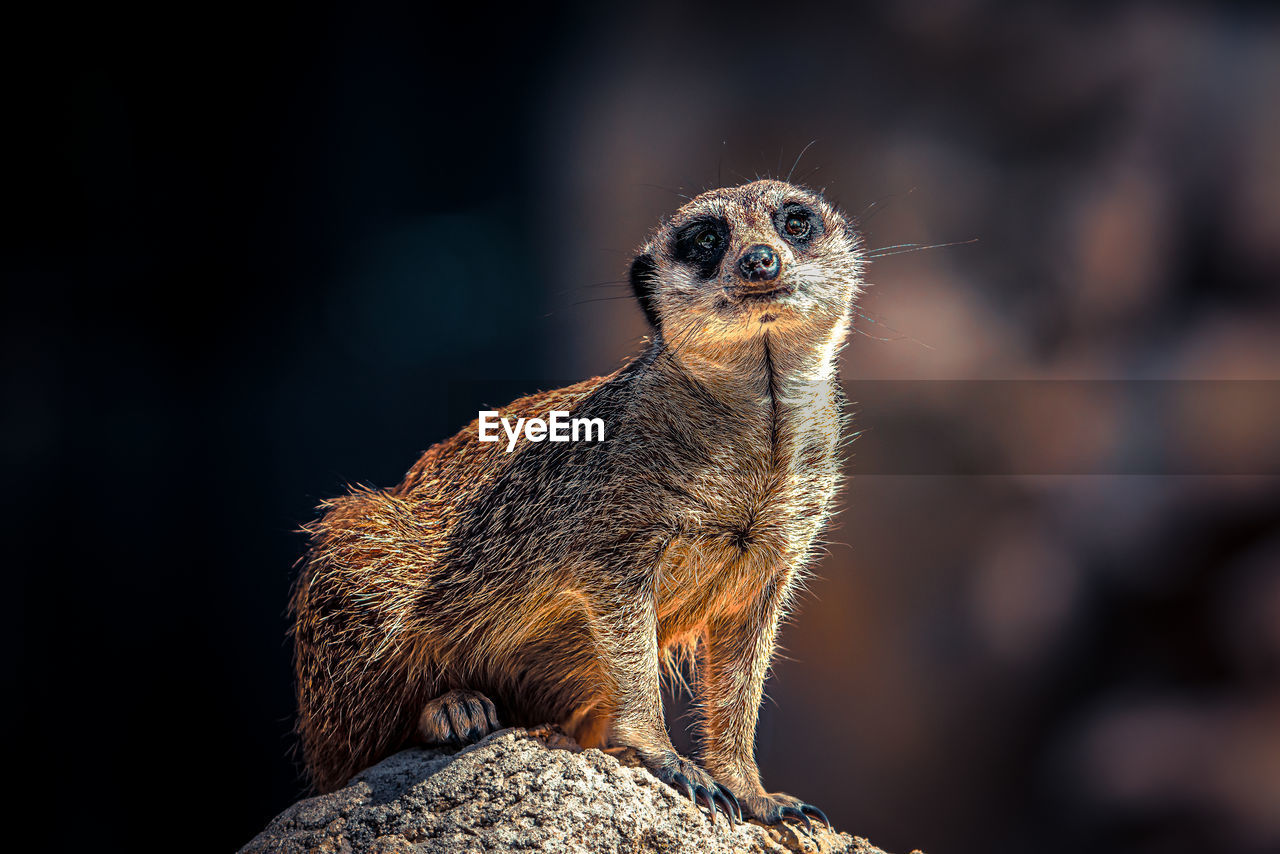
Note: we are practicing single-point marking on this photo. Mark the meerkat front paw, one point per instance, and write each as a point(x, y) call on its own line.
point(688, 779)
point(458, 717)
point(771, 809)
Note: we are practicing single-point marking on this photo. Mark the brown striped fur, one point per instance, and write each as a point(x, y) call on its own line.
point(559, 578)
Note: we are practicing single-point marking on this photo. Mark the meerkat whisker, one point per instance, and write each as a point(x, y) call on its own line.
point(903, 248)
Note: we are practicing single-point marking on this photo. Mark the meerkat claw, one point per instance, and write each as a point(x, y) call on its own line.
point(706, 796)
point(795, 812)
point(781, 807)
point(816, 813)
point(724, 799)
point(714, 796)
point(683, 781)
point(735, 816)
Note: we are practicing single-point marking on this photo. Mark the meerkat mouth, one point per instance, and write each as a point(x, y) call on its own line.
point(754, 296)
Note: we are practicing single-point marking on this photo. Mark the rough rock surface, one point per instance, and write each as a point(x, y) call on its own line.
point(514, 792)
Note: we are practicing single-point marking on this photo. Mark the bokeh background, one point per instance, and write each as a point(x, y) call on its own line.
point(259, 252)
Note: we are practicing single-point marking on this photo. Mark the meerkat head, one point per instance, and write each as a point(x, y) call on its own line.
point(765, 258)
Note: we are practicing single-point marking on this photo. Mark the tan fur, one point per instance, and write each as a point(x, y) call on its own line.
point(557, 579)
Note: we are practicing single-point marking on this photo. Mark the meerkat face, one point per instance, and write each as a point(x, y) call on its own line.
point(744, 261)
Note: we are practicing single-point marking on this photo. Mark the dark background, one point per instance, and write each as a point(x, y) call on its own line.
point(259, 252)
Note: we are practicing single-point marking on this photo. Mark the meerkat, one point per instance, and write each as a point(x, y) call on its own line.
point(555, 582)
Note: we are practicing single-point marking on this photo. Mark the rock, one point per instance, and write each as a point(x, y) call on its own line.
point(521, 791)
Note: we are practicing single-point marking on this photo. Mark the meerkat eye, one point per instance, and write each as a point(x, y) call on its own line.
point(798, 224)
point(701, 244)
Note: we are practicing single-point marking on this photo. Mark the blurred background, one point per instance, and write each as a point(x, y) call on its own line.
point(257, 253)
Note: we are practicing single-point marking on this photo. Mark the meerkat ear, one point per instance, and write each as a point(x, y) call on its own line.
point(642, 271)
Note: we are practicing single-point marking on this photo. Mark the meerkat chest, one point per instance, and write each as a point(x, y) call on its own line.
point(779, 470)
point(754, 511)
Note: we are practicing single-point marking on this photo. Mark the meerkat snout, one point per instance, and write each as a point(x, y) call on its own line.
point(759, 263)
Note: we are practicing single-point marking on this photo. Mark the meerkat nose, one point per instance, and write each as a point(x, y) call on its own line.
point(759, 264)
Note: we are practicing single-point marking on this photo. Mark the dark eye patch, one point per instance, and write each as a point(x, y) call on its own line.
point(798, 224)
point(701, 244)
point(642, 285)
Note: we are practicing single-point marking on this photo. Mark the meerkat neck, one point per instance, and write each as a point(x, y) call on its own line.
point(766, 367)
point(802, 365)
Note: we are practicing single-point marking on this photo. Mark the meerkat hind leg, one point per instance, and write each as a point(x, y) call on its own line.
point(457, 717)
